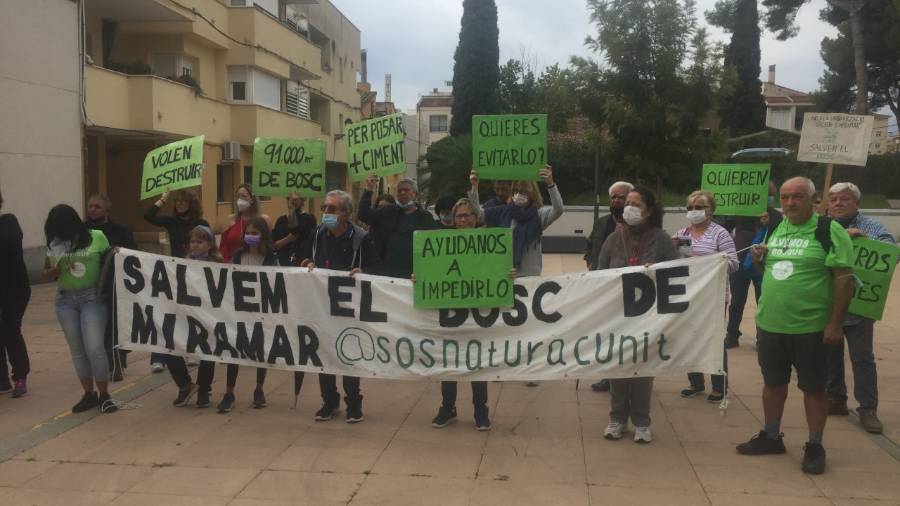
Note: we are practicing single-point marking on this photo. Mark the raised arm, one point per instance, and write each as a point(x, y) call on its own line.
point(556, 203)
point(152, 215)
point(365, 212)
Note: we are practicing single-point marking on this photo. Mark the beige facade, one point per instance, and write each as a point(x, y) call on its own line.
point(40, 130)
point(880, 142)
point(231, 70)
point(784, 106)
point(434, 116)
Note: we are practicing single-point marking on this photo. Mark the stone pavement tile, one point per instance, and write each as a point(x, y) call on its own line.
point(861, 502)
point(16, 472)
point(841, 460)
point(136, 499)
point(640, 496)
point(411, 457)
point(178, 480)
point(781, 477)
point(709, 414)
point(722, 433)
point(859, 485)
point(321, 451)
point(855, 439)
point(546, 391)
point(658, 465)
point(88, 477)
point(303, 488)
point(414, 491)
point(739, 499)
point(533, 460)
point(515, 493)
point(36, 497)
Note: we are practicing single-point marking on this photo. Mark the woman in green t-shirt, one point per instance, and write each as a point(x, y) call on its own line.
point(74, 260)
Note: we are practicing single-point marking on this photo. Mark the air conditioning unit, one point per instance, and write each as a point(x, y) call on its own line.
point(231, 151)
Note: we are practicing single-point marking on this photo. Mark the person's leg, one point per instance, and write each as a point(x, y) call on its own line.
point(835, 386)
point(13, 341)
point(205, 374)
point(774, 354)
point(69, 315)
point(448, 394)
point(93, 330)
point(178, 371)
point(231, 378)
point(479, 394)
point(696, 380)
point(328, 389)
point(862, 358)
point(619, 400)
point(810, 361)
point(351, 388)
point(740, 286)
point(4, 369)
point(261, 377)
point(641, 392)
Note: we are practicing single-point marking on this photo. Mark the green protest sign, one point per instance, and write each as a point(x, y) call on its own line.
point(173, 167)
point(282, 166)
point(466, 268)
point(376, 146)
point(873, 263)
point(509, 146)
point(740, 189)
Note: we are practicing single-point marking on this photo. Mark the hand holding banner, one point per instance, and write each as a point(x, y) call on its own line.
point(376, 146)
point(874, 263)
point(740, 189)
point(282, 166)
point(511, 146)
point(466, 268)
point(173, 167)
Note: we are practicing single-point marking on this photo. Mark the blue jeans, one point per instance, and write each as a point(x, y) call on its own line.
point(82, 317)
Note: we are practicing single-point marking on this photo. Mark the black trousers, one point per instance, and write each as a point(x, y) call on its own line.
point(232, 374)
point(11, 340)
point(479, 393)
point(330, 394)
point(179, 371)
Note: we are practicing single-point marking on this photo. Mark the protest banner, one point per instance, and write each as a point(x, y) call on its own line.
point(173, 167)
point(617, 323)
point(509, 146)
point(740, 189)
point(835, 138)
point(873, 263)
point(376, 146)
point(466, 268)
point(282, 166)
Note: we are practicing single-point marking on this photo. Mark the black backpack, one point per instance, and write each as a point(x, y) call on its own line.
point(822, 233)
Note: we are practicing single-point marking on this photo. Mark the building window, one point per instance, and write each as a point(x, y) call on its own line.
point(224, 182)
point(238, 91)
point(238, 88)
point(296, 100)
point(781, 118)
point(437, 123)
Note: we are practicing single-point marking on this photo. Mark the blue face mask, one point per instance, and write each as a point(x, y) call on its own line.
point(409, 205)
point(329, 221)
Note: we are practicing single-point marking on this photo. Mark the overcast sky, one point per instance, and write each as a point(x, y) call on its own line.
point(414, 40)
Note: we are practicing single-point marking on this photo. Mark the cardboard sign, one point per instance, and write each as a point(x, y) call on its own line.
point(466, 268)
point(173, 167)
point(740, 189)
point(512, 146)
point(873, 263)
point(835, 138)
point(282, 166)
point(376, 146)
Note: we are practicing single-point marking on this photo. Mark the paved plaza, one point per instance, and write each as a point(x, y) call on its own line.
point(546, 446)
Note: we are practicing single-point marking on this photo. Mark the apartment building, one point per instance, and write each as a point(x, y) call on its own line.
point(232, 70)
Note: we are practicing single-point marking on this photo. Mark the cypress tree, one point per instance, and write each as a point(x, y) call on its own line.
point(476, 67)
point(745, 110)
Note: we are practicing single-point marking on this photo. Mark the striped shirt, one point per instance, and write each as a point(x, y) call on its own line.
point(874, 229)
point(714, 240)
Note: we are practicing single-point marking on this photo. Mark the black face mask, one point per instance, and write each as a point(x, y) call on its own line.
point(617, 212)
point(846, 221)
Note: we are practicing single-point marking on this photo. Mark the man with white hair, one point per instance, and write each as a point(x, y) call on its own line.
point(806, 263)
point(843, 207)
point(603, 227)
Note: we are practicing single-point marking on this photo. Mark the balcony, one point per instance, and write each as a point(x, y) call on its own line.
point(256, 27)
point(153, 104)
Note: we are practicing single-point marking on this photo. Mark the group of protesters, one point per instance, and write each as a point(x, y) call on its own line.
point(799, 263)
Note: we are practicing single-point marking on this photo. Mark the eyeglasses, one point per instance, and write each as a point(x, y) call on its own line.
point(330, 209)
point(464, 216)
point(697, 208)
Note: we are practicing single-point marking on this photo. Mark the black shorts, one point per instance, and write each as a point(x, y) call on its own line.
point(806, 353)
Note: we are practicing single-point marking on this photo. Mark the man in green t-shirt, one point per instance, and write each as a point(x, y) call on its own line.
point(808, 285)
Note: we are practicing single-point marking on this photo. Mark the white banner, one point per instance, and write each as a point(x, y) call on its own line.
point(835, 138)
point(635, 321)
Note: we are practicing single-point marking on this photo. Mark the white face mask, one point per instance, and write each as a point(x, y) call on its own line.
point(243, 204)
point(696, 216)
point(633, 215)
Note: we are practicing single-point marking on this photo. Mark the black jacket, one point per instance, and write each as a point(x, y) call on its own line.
point(603, 227)
point(118, 235)
point(306, 224)
point(351, 250)
point(179, 230)
point(13, 274)
point(270, 260)
point(384, 230)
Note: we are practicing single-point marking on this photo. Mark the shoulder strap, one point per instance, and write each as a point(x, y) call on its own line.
point(823, 233)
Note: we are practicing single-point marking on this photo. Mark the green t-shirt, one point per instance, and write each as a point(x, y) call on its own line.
point(80, 269)
point(797, 284)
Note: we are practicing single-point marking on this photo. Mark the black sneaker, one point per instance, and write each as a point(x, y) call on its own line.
point(813, 459)
point(327, 412)
point(259, 399)
point(601, 386)
point(88, 401)
point(107, 404)
point(444, 417)
point(762, 444)
point(731, 342)
point(226, 404)
point(185, 395)
point(692, 391)
point(715, 397)
point(203, 399)
point(482, 421)
point(532, 384)
point(354, 410)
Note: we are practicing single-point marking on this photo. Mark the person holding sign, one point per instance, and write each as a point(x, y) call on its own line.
point(292, 229)
point(641, 241)
point(392, 227)
point(339, 245)
point(705, 237)
point(246, 208)
point(74, 258)
point(843, 207)
point(808, 284)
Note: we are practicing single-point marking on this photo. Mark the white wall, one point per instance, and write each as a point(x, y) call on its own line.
point(266, 90)
point(269, 5)
point(40, 127)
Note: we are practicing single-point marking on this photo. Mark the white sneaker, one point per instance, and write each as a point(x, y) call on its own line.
point(157, 367)
point(642, 435)
point(614, 430)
